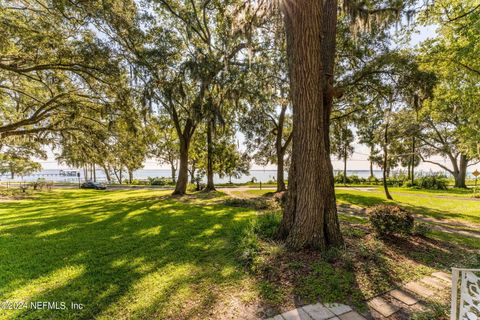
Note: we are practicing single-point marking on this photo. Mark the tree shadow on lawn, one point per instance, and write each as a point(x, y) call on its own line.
point(371, 200)
point(134, 257)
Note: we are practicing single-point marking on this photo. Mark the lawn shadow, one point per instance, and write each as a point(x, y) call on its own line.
point(136, 255)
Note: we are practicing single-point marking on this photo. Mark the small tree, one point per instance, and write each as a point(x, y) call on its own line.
point(342, 139)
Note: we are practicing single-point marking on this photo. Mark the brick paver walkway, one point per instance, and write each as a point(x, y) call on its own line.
point(400, 301)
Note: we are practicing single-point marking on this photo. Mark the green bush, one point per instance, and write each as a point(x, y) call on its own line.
point(140, 182)
point(248, 237)
point(432, 182)
point(266, 225)
point(159, 181)
point(390, 219)
point(421, 229)
point(373, 180)
point(353, 179)
point(256, 203)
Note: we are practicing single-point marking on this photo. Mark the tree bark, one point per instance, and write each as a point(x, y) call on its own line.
point(281, 149)
point(182, 181)
point(280, 171)
point(184, 138)
point(461, 173)
point(311, 200)
point(412, 175)
point(192, 173)
point(210, 185)
point(174, 172)
point(371, 161)
point(130, 176)
point(385, 163)
point(289, 210)
point(107, 173)
point(345, 164)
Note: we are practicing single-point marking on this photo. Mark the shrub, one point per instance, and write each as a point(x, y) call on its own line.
point(390, 219)
point(421, 229)
point(339, 178)
point(248, 236)
point(256, 203)
point(139, 182)
point(266, 225)
point(432, 181)
point(159, 181)
point(373, 180)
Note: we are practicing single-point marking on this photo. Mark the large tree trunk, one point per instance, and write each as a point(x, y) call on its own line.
point(210, 185)
point(461, 174)
point(310, 217)
point(182, 181)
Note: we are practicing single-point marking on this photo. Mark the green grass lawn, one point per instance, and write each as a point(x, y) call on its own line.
point(433, 205)
point(455, 204)
point(121, 254)
point(141, 254)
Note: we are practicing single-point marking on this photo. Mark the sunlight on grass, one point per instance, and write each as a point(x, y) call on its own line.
point(122, 254)
point(27, 291)
point(424, 204)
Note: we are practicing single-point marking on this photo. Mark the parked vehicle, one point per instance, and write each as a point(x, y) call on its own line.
point(93, 185)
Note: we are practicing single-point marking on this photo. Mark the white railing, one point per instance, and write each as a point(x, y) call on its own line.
point(467, 305)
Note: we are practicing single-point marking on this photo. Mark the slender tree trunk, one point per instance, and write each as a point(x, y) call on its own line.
point(280, 171)
point(310, 218)
point(372, 150)
point(85, 173)
point(120, 180)
point(210, 185)
point(281, 150)
point(345, 165)
point(94, 172)
point(412, 176)
point(289, 210)
point(174, 172)
point(385, 163)
point(107, 173)
point(192, 173)
point(130, 176)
